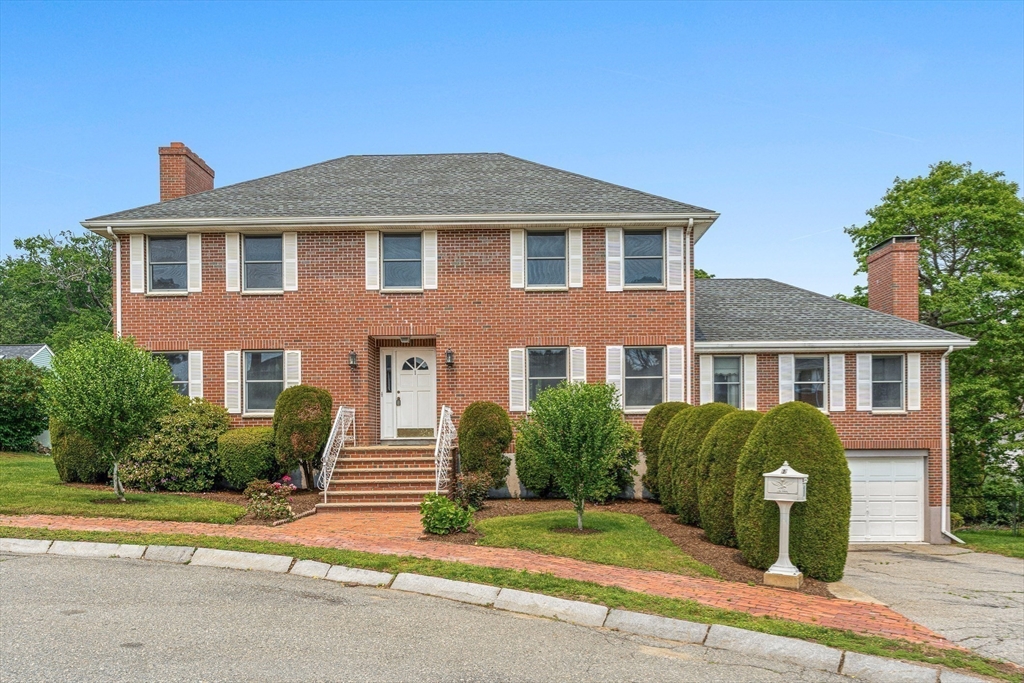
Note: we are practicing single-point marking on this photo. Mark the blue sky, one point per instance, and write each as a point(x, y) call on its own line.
point(789, 119)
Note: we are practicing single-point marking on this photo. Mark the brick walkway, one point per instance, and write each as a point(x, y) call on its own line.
point(399, 534)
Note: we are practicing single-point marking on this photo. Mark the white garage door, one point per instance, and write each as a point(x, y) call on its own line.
point(888, 500)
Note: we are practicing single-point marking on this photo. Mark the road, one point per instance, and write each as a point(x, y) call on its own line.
point(72, 619)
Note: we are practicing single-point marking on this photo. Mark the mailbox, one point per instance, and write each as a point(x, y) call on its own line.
point(785, 484)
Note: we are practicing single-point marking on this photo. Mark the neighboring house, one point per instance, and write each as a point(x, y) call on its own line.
point(404, 283)
point(39, 355)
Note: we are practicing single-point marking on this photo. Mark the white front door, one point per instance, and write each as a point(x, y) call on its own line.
point(408, 393)
point(888, 499)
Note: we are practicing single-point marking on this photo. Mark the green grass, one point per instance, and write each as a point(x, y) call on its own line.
point(29, 485)
point(1001, 541)
point(624, 540)
point(563, 588)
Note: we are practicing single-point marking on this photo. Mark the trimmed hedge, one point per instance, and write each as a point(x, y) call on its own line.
point(302, 423)
point(650, 438)
point(247, 454)
point(820, 527)
point(666, 462)
point(75, 457)
point(485, 432)
point(716, 474)
point(695, 426)
point(22, 413)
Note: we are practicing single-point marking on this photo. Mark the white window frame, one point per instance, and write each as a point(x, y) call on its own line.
point(188, 371)
point(902, 381)
point(568, 367)
point(262, 412)
point(824, 382)
point(246, 289)
point(380, 259)
point(739, 381)
point(637, 409)
point(625, 259)
point(149, 266)
point(565, 259)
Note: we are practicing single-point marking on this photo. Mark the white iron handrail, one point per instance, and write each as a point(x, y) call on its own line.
point(443, 450)
point(343, 421)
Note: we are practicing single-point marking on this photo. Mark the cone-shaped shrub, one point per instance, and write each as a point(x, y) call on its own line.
point(716, 473)
point(666, 462)
point(650, 438)
point(695, 426)
point(485, 433)
point(820, 527)
point(302, 423)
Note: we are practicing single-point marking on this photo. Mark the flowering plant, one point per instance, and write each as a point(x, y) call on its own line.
point(270, 500)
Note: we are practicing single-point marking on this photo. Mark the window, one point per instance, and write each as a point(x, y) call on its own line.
point(403, 261)
point(264, 380)
point(887, 382)
point(809, 381)
point(168, 264)
point(545, 259)
point(179, 369)
point(645, 376)
point(727, 380)
point(545, 368)
point(263, 263)
point(415, 363)
point(643, 258)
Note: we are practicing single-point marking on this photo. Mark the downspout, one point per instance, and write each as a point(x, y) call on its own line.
point(688, 272)
point(117, 278)
point(944, 524)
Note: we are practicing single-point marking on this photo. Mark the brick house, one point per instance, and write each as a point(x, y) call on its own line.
point(404, 283)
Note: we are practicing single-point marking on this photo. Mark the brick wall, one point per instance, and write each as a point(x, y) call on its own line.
point(182, 172)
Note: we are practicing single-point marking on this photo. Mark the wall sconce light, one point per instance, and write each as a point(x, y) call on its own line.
point(405, 340)
point(449, 358)
point(353, 360)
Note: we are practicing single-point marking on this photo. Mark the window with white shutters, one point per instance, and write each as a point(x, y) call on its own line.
point(750, 382)
point(545, 368)
point(195, 262)
point(372, 259)
point(517, 380)
point(290, 257)
point(262, 263)
point(613, 368)
point(168, 264)
point(613, 259)
point(232, 262)
point(233, 381)
point(179, 364)
point(137, 263)
point(837, 382)
point(644, 376)
point(786, 373)
point(578, 364)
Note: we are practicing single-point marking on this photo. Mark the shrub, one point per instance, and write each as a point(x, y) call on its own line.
point(694, 426)
point(75, 457)
point(269, 501)
point(247, 454)
point(302, 423)
point(716, 473)
point(820, 527)
point(650, 438)
point(182, 454)
point(534, 473)
point(22, 415)
point(470, 489)
point(442, 516)
point(666, 462)
point(485, 433)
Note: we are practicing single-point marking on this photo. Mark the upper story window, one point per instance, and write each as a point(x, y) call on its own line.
point(545, 368)
point(263, 263)
point(726, 379)
point(644, 376)
point(178, 360)
point(168, 264)
point(402, 256)
point(887, 382)
point(264, 380)
point(643, 258)
point(545, 259)
point(809, 380)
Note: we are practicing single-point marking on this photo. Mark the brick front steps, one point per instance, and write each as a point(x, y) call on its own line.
point(385, 478)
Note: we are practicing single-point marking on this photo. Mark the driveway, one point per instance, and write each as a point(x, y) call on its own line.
point(974, 599)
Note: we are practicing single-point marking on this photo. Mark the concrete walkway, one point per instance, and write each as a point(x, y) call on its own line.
point(974, 599)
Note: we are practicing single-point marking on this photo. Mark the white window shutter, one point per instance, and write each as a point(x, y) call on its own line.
point(232, 265)
point(292, 369)
point(786, 377)
point(578, 364)
point(863, 381)
point(430, 259)
point(575, 239)
point(516, 380)
point(675, 365)
point(290, 265)
point(674, 259)
point(750, 382)
point(707, 386)
point(613, 362)
point(837, 382)
point(372, 259)
point(517, 258)
point(195, 374)
point(194, 244)
point(613, 259)
point(137, 263)
point(233, 381)
point(913, 381)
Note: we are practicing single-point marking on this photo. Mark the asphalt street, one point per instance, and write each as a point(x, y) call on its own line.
point(71, 619)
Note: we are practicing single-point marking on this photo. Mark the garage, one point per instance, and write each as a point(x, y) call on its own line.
point(888, 496)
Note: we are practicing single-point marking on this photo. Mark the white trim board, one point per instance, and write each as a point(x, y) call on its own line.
point(838, 345)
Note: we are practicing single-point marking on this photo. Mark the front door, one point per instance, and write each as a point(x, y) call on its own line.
point(408, 393)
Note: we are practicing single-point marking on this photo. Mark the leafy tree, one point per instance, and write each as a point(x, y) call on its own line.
point(22, 417)
point(111, 392)
point(701, 274)
point(578, 432)
point(970, 225)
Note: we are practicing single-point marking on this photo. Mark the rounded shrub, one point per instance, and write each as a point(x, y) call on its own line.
point(74, 456)
point(716, 473)
point(650, 438)
point(247, 454)
point(440, 515)
point(666, 462)
point(533, 472)
point(302, 423)
point(485, 432)
point(820, 527)
point(696, 423)
point(22, 414)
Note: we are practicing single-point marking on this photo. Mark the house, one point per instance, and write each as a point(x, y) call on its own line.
point(404, 283)
point(39, 355)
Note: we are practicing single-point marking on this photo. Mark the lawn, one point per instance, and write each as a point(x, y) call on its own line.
point(621, 540)
point(29, 485)
point(1000, 541)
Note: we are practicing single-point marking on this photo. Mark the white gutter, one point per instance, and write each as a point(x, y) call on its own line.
point(687, 273)
point(836, 345)
point(944, 523)
point(117, 278)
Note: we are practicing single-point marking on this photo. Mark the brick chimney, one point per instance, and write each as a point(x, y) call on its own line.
point(892, 277)
point(182, 172)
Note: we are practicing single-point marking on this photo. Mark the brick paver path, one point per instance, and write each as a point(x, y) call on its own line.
point(399, 534)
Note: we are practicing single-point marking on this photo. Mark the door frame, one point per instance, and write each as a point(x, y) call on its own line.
point(388, 409)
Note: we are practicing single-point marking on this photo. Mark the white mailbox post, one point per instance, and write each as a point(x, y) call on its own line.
point(785, 486)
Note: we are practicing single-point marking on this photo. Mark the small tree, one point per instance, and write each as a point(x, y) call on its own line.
point(111, 392)
point(22, 416)
point(302, 423)
point(577, 430)
point(485, 433)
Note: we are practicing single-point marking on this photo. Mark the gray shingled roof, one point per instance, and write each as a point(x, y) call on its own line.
point(25, 351)
point(761, 310)
point(411, 185)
